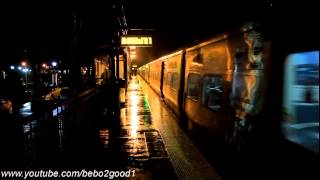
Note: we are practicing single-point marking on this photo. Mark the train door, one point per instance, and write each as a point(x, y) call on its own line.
point(181, 86)
point(161, 79)
point(301, 99)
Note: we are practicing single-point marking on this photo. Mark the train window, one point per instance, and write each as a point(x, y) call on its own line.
point(169, 79)
point(194, 86)
point(301, 100)
point(175, 81)
point(212, 92)
point(307, 74)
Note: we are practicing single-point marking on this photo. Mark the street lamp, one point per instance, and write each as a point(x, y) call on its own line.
point(54, 64)
point(54, 74)
point(25, 70)
point(23, 63)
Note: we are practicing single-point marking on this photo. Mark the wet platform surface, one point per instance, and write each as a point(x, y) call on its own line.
point(88, 136)
point(187, 161)
point(142, 142)
point(145, 137)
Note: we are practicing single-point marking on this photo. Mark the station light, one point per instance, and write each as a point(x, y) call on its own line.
point(12, 67)
point(23, 63)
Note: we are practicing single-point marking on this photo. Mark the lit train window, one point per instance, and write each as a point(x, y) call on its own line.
point(175, 81)
point(169, 78)
point(212, 92)
point(194, 86)
point(307, 74)
point(301, 100)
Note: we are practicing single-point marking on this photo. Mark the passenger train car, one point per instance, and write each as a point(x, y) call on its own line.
point(229, 86)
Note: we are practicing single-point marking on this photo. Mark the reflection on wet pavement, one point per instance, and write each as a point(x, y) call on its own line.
point(90, 136)
point(141, 140)
point(25, 110)
point(187, 161)
point(143, 143)
point(104, 136)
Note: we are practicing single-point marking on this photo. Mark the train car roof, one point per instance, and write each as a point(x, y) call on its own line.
point(250, 26)
point(162, 58)
point(236, 32)
point(212, 40)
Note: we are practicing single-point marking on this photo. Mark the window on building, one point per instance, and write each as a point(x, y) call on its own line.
point(212, 92)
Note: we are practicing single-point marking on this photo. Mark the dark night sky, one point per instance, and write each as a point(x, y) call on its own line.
point(47, 27)
point(44, 29)
point(182, 22)
point(179, 23)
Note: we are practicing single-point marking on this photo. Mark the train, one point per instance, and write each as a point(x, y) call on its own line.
point(232, 87)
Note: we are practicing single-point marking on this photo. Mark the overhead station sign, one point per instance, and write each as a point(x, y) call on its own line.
point(140, 41)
